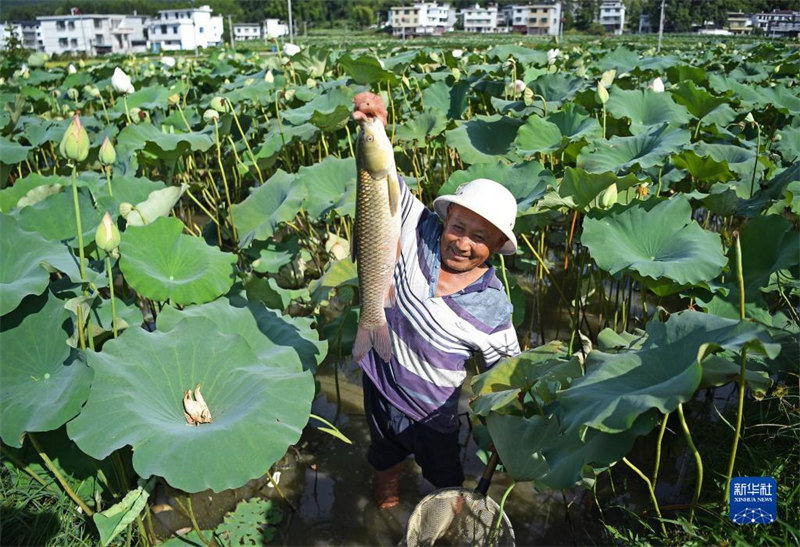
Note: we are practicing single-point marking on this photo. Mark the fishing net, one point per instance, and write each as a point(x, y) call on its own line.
point(457, 516)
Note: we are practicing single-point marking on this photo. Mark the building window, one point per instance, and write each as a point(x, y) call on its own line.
point(71, 25)
point(60, 25)
point(98, 23)
point(163, 29)
point(62, 42)
point(73, 42)
point(201, 30)
point(98, 38)
point(175, 29)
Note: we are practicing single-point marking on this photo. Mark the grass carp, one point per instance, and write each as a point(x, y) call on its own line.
point(377, 236)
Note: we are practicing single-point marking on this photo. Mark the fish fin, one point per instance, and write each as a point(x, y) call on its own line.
point(390, 297)
point(382, 342)
point(362, 344)
point(394, 191)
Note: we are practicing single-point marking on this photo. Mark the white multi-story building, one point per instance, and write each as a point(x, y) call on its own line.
point(175, 29)
point(247, 31)
point(422, 18)
point(273, 28)
point(478, 19)
point(92, 33)
point(612, 16)
point(778, 24)
point(536, 18)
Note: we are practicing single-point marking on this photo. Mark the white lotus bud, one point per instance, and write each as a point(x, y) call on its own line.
point(609, 196)
point(608, 77)
point(107, 235)
point(290, 49)
point(168, 61)
point(657, 85)
point(121, 82)
point(552, 55)
point(458, 53)
point(749, 118)
point(269, 77)
point(602, 93)
point(519, 86)
point(71, 69)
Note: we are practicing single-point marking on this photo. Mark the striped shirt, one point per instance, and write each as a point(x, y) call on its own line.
point(432, 337)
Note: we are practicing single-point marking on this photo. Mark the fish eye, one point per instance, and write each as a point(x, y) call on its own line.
point(370, 138)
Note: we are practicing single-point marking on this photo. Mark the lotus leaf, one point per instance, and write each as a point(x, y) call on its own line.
point(574, 123)
point(451, 100)
point(116, 518)
point(557, 88)
point(537, 135)
point(779, 97)
point(21, 271)
point(338, 273)
point(666, 371)
point(683, 73)
point(326, 111)
point(277, 200)
point(526, 180)
point(365, 69)
point(164, 145)
point(259, 406)
point(54, 216)
point(520, 441)
point(272, 256)
point(703, 168)
point(272, 295)
point(43, 382)
point(740, 160)
point(703, 105)
point(656, 239)
point(147, 98)
point(421, 127)
point(580, 189)
point(331, 185)
point(158, 204)
point(279, 136)
point(252, 523)
point(522, 54)
point(484, 139)
point(163, 264)
point(718, 371)
point(789, 145)
point(644, 107)
point(11, 152)
point(621, 59)
point(621, 154)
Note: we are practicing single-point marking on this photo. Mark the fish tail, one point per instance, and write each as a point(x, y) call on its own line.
point(378, 338)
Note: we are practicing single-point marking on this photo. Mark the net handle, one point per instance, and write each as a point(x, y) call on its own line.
point(486, 478)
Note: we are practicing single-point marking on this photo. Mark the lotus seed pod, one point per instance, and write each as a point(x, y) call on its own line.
point(602, 94)
point(269, 77)
point(107, 234)
point(125, 209)
point(121, 82)
point(137, 115)
point(71, 69)
point(94, 91)
point(55, 93)
point(210, 116)
point(173, 99)
point(73, 94)
point(609, 196)
point(218, 103)
point(608, 77)
point(107, 155)
point(75, 143)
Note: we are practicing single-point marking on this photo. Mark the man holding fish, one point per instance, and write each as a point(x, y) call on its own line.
point(429, 301)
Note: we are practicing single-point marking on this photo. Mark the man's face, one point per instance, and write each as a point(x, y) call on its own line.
point(467, 240)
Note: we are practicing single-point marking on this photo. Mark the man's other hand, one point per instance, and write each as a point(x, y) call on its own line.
point(369, 105)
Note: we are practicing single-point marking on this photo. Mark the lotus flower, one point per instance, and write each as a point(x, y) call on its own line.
point(121, 82)
point(168, 61)
point(602, 93)
point(71, 69)
point(107, 235)
point(75, 143)
point(552, 55)
point(290, 49)
point(457, 53)
point(657, 85)
point(107, 154)
point(608, 77)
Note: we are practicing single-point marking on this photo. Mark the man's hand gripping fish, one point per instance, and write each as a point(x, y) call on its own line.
point(377, 235)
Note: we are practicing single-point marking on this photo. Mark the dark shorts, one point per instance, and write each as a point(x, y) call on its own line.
point(394, 436)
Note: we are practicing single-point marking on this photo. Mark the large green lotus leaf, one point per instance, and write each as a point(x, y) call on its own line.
point(163, 264)
point(789, 143)
point(147, 98)
point(522, 54)
point(164, 145)
point(267, 291)
point(484, 139)
point(621, 59)
point(11, 195)
point(43, 382)
point(739, 159)
point(331, 185)
point(718, 371)
point(703, 105)
point(21, 271)
point(54, 217)
point(158, 204)
point(571, 457)
point(580, 190)
point(451, 100)
point(526, 180)
point(655, 239)
point(338, 273)
point(326, 111)
point(520, 442)
point(575, 123)
point(557, 87)
point(112, 521)
point(277, 200)
point(258, 92)
point(620, 154)
point(271, 256)
point(776, 189)
point(779, 97)
point(11, 152)
point(365, 69)
point(426, 124)
point(258, 407)
point(704, 168)
point(644, 107)
point(682, 73)
point(537, 135)
point(666, 371)
point(279, 136)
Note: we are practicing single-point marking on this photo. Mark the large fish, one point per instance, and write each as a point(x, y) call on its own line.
point(377, 236)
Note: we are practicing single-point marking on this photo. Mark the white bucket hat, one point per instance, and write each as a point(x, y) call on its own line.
point(489, 199)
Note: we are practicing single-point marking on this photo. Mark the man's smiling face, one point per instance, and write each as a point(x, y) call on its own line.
point(467, 240)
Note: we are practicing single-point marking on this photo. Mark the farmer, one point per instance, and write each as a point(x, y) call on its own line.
point(449, 306)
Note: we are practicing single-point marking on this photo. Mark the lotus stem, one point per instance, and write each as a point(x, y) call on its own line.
point(496, 527)
point(350, 140)
point(111, 289)
point(698, 460)
point(78, 226)
point(225, 178)
point(54, 470)
point(742, 370)
point(279, 491)
point(103, 103)
point(549, 274)
point(183, 116)
point(33, 474)
point(127, 112)
point(650, 490)
point(81, 339)
point(604, 120)
point(196, 527)
point(244, 138)
point(505, 277)
point(661, 431)
point(108, 180)
point(755, 164)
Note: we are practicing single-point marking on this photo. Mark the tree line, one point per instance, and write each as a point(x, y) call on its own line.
point(680, 15)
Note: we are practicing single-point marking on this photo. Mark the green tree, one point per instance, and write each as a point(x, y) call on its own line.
point(585, 14)
point(362, 16)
